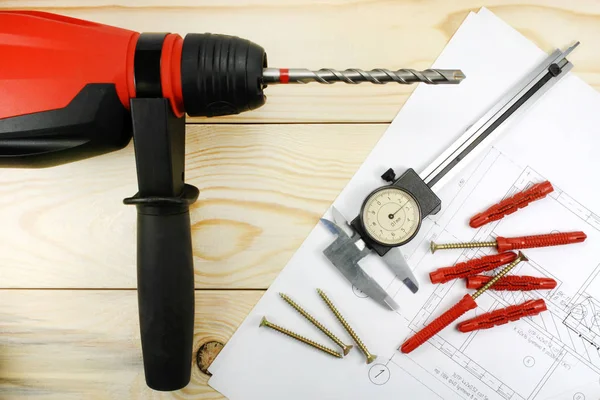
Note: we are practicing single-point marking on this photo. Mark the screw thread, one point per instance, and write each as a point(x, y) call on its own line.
point(316, 323)
point(300, 338)
point(348, 328)
point(499, 275)
point(471, 245)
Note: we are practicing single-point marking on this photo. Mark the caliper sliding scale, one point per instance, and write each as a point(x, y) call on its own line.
point(391, 215)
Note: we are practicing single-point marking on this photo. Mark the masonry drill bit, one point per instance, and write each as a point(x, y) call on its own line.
point(355, 76)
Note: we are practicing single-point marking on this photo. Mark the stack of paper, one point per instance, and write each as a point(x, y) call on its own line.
point(553, 355)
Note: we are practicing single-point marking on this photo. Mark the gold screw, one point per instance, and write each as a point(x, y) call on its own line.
point(345, 347)
point(434, 246)
point(361, 345)
point(505, 270)
point(302, 339)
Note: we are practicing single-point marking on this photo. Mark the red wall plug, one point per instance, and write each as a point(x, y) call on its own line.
point(512, 204)
point(503, 316)
point(471, 267)
point(512, 283)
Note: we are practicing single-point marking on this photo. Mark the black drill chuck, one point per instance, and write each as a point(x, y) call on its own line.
point(221, 75)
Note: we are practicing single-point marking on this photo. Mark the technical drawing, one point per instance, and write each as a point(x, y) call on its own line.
point(584, 317)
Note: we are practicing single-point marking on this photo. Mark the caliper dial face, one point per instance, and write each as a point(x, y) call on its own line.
point(391, 216)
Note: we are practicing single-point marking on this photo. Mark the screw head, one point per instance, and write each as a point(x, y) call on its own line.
point(371, 358)
point(264, 322)
point(433, 247)
point(346, 349)
point(522, 256)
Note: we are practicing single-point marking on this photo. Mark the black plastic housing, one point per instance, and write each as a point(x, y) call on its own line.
point(165, 284)
point(221, 75)
point(94, 122)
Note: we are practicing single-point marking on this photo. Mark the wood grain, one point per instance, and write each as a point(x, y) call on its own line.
point(263, 184)
point(342, 34)
point(262, 189)
point(80, 344)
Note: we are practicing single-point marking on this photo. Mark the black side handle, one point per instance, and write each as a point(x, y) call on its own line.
point(164, 245)
point(165, 282)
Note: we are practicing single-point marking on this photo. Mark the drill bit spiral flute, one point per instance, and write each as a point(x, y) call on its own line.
point(355, 76)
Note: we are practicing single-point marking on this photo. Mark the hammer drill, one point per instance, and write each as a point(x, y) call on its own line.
point(72, 89)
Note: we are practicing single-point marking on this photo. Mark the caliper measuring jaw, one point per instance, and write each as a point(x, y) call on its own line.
point(345, 253)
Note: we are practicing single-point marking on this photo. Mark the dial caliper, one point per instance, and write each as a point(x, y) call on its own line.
point(391, 215)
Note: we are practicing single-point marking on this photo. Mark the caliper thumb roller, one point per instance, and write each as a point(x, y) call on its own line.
point(72, 89)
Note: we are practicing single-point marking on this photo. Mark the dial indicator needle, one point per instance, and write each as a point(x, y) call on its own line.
point(392, 216)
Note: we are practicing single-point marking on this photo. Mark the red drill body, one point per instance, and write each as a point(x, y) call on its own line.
point(65, 54)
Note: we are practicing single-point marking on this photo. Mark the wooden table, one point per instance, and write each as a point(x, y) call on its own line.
point(68, 311)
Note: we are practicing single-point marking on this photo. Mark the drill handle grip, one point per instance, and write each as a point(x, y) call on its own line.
point(165, 281)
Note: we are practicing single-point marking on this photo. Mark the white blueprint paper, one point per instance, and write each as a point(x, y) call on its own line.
point(550, 356)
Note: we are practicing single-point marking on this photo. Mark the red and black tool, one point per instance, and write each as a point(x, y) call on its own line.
point(512, 283)
point(512, 204)
point(471, 267)
point(72, 89)
point(503, 316)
